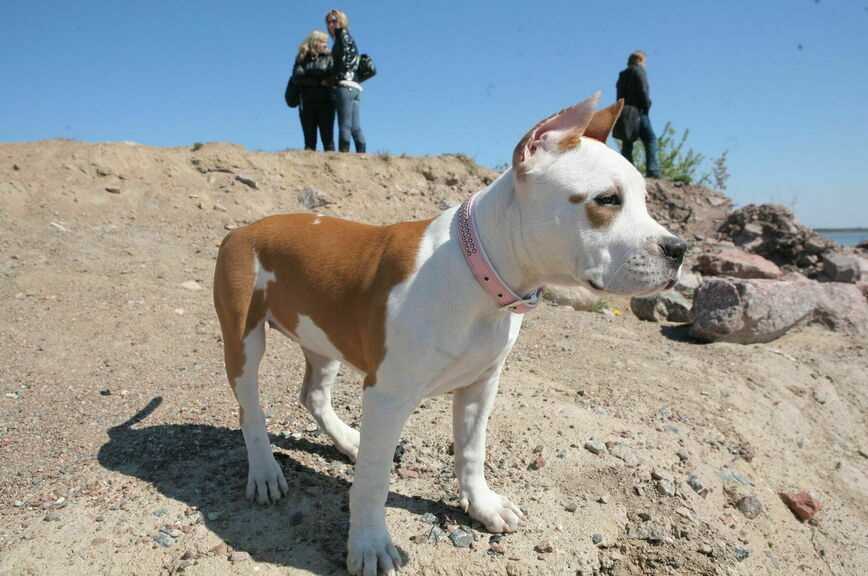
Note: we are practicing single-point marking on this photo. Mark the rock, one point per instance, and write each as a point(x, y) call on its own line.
point(249, 182)
point(738, 264)
point(595, 447)
point(687, 283)
point(751, 311)
point(52, 517)
point(572, 506)
point(191, 285)
point(538, 462)
point(750, 506)
point(113, 190)
point(435, 535)
point(577, 297)
point(741, 553)
point(497, 548)
point(544, 547)
point(842, 268)
point(597, 539)
point(670, 306)
point(802, 504)
point(164, 540)
point(683, 455)
point(239, 556)
point(696, 484)
point(105, 392)
point(429, 518)
point(771, 231)
point(623, 453)
point(311, 199)
point(461, 538)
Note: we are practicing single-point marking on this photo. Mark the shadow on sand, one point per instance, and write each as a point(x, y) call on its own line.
point(205, 467)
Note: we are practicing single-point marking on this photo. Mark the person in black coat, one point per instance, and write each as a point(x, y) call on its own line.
point(632, 86)
point(348, 91)
point(313, 74)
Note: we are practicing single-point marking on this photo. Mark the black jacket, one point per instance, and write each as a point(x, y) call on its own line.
point(309, 73)
point(346, 56)
point(633, 88)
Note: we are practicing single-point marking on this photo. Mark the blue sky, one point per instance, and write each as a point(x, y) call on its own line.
point(780, 84)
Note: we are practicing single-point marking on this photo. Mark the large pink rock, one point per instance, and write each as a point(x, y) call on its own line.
point(802, 504)
point(756, 310)
point(737, 263)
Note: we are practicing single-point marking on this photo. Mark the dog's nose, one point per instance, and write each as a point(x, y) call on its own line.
point(674, 248)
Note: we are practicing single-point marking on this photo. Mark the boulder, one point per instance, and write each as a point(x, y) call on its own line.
point(692, 212)
point(842, 267)
point(737, 263)
point(771, 231)
point(746, 311)
point(669, 306)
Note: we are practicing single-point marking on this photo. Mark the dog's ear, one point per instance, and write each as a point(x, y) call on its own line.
point(603, 121)
point(557, 133)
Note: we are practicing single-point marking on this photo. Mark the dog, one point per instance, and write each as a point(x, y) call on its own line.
point(432, 307)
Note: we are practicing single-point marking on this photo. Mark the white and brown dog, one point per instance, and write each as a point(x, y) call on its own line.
point(430, 307)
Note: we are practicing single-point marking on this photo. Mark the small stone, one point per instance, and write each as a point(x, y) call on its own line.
point(571, 507)
point(112, 189)
point(706, 549)
point(18, 503)
point(694, 482)
point(683, 455)
point(105, 392)
point(497, 548)
point(537, 463)
point(803, 504)
point(597, 539)
point(192, 285)
point(644, 516)
point(544, 547)
point(603, 499)
point(666, 487)
point(429, 518)
point(741, 553)
point(52, 517)
point(249, 182)
point(595, 447)
point(164, 540)
point(750, 506)
point(435, 535)
point(188, 555)
point(239, 556)
point(460, 538)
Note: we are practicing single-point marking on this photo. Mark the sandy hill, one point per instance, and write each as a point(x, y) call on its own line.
point(632, 449)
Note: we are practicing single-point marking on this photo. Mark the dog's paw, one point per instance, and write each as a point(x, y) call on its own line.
point(265, 480)
point(371, 552)
point(493, 510)
point(348, 444)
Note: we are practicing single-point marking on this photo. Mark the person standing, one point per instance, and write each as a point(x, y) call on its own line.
point(632, 86)
point(313, 73)
point(348, 92)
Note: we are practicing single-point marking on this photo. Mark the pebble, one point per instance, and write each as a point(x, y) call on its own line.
point(683, 455)
point(435, 535)
point(18, 503)
point(429, 518)
point(595, 447)
point(191, 285)
point(694, 482)
point(461, 538)
point(105, 392)
point(52, 517)
point(544, 547)
point(239, 556)
point(603, 499)
point(741, 553)
point(750, 506)
point(597, 539)
point(571, 507)
point(706, 549)
point(537, 463)
point(164, 540)
point(249, 182)
point(497, 548)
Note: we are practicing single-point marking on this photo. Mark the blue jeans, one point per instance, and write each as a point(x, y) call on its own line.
point(348, 102)
point(649, 141)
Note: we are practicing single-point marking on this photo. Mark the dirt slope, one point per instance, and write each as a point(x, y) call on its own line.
point(118, 434)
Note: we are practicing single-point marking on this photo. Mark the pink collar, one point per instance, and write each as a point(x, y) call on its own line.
point(483, 271)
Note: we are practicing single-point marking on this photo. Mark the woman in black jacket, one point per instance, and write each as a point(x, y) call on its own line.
point(313, 73)
point(348, 91)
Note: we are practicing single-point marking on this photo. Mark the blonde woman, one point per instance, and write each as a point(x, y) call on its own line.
point(348, 91)
point(313, 73)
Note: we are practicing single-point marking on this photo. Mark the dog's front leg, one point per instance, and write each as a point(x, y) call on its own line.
point(369, 548)
point(471, 407)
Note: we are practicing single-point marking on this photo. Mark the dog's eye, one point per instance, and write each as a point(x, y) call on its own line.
point(608, 200)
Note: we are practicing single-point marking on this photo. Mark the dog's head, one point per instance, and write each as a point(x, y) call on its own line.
point(585, 203)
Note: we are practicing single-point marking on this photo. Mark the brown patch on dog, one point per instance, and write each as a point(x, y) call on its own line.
point(578, 198)
point(338, 273)
point(603, 121)
point(570, 141)
point(600, 216)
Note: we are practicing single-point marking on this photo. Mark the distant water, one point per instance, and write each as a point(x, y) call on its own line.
point(844, 236)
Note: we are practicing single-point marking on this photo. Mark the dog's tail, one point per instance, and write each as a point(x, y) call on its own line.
point(239, 306)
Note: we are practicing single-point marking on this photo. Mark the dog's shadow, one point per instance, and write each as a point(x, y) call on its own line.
point(206, 468)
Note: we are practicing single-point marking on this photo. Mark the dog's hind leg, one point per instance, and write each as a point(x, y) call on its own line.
point(241, 309)
point(316, 396)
